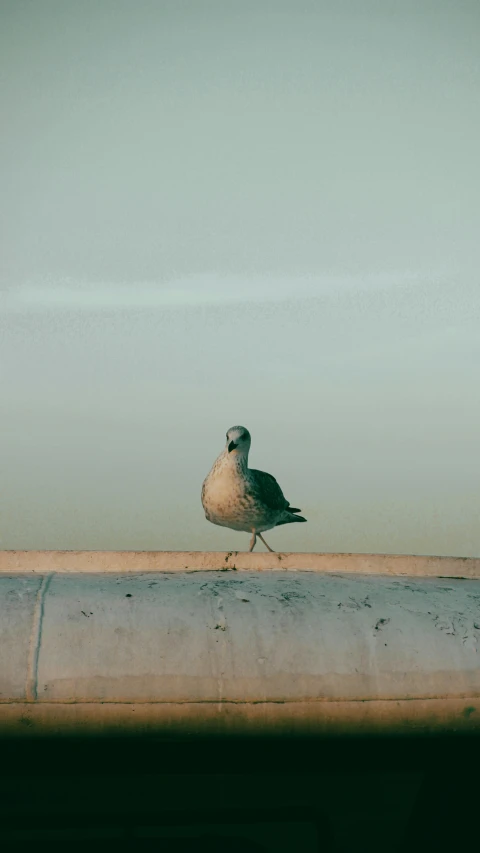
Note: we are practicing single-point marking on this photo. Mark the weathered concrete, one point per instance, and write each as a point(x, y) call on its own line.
point(19, 619)
point(179, 561)
point(406, 717)
point(245, 652)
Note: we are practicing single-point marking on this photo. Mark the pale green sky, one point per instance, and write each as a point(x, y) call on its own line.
point(263, 213)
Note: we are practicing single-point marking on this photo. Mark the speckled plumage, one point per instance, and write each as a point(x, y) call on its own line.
point(242, 498)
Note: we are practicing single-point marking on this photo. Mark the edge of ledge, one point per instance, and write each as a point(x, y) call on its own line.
point(130, 562)
point(395, 716)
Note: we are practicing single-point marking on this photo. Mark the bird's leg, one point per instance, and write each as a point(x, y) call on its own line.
point(268, 546)
point(253, 539)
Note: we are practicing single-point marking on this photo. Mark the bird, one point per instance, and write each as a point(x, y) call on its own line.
point(242, 498)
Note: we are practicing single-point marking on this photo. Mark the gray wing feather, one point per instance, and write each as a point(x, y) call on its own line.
point(268, 491)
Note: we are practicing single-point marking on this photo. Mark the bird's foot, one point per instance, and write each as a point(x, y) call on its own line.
point(266, 544)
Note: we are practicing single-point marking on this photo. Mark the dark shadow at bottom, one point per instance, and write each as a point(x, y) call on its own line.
point(173, 795)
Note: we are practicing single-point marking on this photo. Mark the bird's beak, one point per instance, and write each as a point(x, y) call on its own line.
point(232, 446)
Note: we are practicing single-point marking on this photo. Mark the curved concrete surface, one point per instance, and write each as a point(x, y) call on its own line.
point(237, 652)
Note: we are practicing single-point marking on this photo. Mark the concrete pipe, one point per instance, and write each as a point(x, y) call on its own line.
point(109, 643)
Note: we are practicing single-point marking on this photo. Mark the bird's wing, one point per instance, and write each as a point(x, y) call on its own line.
point(268, 491)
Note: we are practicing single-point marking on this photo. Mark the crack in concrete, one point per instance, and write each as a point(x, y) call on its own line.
point(36, 640)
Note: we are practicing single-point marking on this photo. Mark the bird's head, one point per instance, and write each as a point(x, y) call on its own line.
point(238, 441)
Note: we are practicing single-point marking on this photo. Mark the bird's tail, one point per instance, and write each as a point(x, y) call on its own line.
point(288, 519)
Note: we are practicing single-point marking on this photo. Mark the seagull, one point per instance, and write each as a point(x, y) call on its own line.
point(241, 498)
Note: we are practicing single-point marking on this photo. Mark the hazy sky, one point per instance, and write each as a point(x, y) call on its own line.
point(265, 213)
